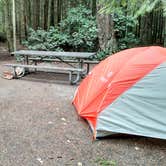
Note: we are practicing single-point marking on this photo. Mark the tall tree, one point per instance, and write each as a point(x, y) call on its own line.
point(14, 23)
point(133, 8)
point(106, 32)
point(8, 23)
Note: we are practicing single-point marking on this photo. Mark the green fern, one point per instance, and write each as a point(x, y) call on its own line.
point(133, 8)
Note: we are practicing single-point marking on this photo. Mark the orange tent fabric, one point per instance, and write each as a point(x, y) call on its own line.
point(112, 77)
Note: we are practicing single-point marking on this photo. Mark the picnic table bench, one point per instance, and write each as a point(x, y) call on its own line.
point(75, 71)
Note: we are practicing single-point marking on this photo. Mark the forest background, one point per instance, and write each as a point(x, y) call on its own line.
point(103, 26)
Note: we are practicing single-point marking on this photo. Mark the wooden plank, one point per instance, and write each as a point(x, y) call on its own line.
point(55, 54)
point(45, 67)
point(71, 71)
point(65, 60)
point(91, 62)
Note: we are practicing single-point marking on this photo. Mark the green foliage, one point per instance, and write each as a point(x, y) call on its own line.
point(78, 31)
point(81, 28)
point(103, 162)
point(133, 8)
point(40, 39)
point(123, 27)
point(102, 54)
point(146, 7)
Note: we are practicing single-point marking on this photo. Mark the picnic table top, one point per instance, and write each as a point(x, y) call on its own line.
point(54, 53)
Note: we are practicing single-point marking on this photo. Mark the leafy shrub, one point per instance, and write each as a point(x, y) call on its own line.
point(40, 39)
point(124, 31)
point(104, 162)
point(102, 54)
point(81, 28)
point(77, 32)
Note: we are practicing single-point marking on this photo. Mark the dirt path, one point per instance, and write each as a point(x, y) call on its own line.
point(39, 126)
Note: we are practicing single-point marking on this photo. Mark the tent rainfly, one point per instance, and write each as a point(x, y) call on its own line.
point(126, 93)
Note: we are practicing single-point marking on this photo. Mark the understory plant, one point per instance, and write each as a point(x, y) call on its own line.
point(77, 32)
point(81, 28)
point(124, 28)
point(51, 40)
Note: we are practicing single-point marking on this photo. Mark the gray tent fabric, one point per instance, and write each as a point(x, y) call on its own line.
point(141, 110)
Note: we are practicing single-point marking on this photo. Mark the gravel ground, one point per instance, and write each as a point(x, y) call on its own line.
point(39, 126)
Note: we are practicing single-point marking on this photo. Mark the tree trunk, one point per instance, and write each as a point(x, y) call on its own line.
point(48, 19)
point(41, 19)
point(22, 21)
point(59, 10)
point(165, 32)
point(106, 34)
point(14, 24)
point(8, 26)
point(93, 6)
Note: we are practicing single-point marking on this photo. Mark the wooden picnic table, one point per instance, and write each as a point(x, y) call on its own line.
point(64, 57)
point(79, 56)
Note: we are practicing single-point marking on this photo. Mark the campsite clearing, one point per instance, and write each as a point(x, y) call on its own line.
point(39, 126)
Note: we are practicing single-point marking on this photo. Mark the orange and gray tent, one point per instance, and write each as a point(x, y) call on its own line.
point(126, 93)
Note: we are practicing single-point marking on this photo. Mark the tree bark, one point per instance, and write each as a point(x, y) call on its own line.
point(49, 13)
point(59, 10)
point(165, 32)
point(8, 25)
point(93, 6)
point(22, 21)
point(106, 34)
point(14, 24)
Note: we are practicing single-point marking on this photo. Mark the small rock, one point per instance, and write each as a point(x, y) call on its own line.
point(50, 122)
point(4, 151)
point(136, 148)
point(68, 141)
point(40, 160)
point(79, 164)
point(63, 119)
point(51, 158)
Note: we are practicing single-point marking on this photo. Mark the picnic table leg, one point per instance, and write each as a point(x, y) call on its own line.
point(88, 67)
point(35, 65)
point(70, 77)
point(14, 72)
point(81, 66)
point(26, 61)
point(81, 63)
point(72, 82)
